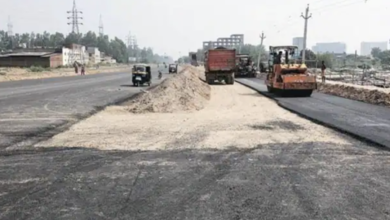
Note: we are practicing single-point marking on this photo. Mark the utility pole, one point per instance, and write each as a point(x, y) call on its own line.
point(101, 27)
point(74, 18)
point(10, 32)
point(262, 37)
point(306, 17)
point(354, 71)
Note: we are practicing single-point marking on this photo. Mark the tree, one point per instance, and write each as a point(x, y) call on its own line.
point(309, 55)
point(327, 58)
point(375, 52)
point(115, 47)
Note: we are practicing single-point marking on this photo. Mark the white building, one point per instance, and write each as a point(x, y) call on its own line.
point(332, 47)
point(298, 41)
point(74, 53)
point(94, 55)
point(366, 47)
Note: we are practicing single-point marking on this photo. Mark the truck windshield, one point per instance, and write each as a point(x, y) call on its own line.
point(140, 68)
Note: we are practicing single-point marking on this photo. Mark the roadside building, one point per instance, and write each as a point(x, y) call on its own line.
point(28, 59)
point(74, 53)
point(94, 55)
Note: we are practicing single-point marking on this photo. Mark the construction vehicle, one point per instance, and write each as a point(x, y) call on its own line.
point(286, 75)
point(220, 64)
point(245, 67)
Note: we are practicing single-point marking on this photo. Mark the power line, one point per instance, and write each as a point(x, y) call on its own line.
point(75, 17)
point(337, 4)
point(328, 9)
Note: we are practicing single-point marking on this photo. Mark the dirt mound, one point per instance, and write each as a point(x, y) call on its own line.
point(360, 94)
point(182, 92)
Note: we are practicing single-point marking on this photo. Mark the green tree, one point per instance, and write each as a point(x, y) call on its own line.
point(375, 52)
point(327, 58)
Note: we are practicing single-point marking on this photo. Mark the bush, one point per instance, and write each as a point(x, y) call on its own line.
point(37, 69)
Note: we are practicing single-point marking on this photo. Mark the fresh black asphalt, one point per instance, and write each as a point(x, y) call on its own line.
point(33, 110)
point(367, 121)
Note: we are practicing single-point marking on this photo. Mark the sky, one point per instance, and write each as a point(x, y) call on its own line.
point(176, 27)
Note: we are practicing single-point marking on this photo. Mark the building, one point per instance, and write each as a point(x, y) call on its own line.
point(234, 41)
point(94, 55)
point(332, 47)
point(75, 53)
point(298, 41)
point(29, 59)
point(366, 47)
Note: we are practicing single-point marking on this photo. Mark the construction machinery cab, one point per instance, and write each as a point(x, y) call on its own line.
point(286, 75)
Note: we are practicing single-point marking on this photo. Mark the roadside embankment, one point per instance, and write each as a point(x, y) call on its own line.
point(14, 74)
point(368, 94)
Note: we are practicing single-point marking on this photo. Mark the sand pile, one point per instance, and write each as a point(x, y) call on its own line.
point(372, 96)
point(182, 92)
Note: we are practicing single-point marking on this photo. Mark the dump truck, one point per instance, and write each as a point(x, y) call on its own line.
point(220, 64)
point(286, 75)
point(244, 66)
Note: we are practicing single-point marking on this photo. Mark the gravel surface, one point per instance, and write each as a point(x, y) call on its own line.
point(235, 116)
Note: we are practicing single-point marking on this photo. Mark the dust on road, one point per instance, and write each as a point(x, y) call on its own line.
point(235, 116)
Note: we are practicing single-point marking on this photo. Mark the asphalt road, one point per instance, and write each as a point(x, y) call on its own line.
point(371, 122)
point(284, 181)
point(276, 181)
point(33, 110)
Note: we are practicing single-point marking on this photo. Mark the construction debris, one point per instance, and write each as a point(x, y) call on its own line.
point(366, 94)
point(182, 92)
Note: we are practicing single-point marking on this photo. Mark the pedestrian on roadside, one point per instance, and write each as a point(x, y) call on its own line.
point(323, 68)
point(82, 70)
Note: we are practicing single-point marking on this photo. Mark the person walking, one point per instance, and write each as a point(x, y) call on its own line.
point(323, 68)
point(82, 70)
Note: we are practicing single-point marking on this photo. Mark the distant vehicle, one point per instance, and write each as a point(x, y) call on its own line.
point(245, 66)
point(141, 74)
point(172, 68)
point(287, 77)
point(220, 64)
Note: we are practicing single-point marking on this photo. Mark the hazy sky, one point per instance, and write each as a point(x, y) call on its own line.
point(174, 26)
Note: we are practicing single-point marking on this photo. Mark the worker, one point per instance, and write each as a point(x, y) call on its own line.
point(323, 68)
point(279, 58)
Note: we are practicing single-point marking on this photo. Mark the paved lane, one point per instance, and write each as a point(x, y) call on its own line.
point(365, 120)
point(32, 110)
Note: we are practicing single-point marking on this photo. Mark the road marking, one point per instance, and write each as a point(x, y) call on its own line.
point(376, 125)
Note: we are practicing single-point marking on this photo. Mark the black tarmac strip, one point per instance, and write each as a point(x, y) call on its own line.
point(364, 121)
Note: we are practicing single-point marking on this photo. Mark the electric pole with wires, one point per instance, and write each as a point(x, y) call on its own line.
point(262, 37)
point(306, 17)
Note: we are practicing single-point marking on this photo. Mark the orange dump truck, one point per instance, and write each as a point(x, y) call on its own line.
point(220, 64)
point(287, 77)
